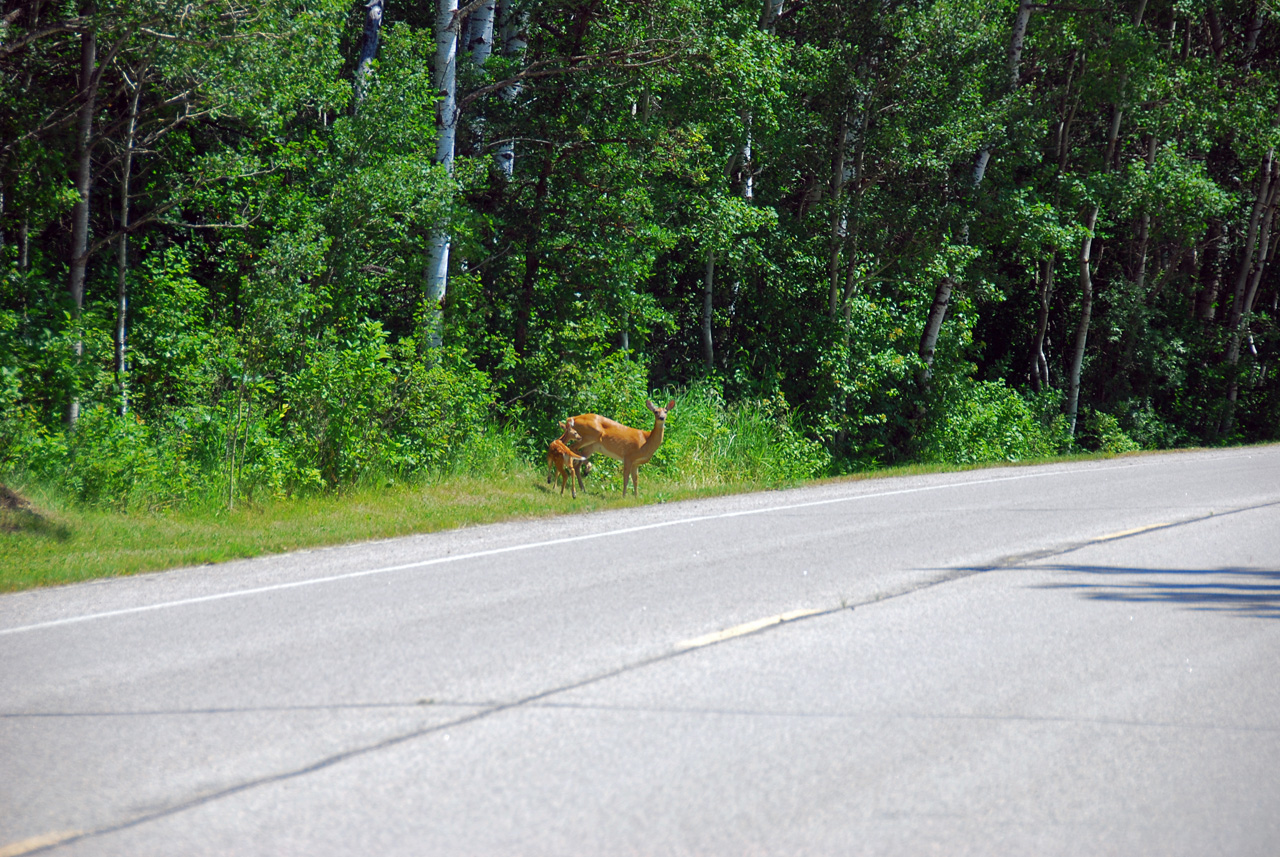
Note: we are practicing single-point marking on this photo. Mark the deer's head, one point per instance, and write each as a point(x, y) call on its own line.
point(660, 414)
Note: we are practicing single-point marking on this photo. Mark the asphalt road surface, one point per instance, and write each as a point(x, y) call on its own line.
point(1068, 659)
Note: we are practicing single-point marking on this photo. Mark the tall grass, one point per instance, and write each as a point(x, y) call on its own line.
point(54, 536)
point(709, 442)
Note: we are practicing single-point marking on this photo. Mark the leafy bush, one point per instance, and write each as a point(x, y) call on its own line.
point(18, 423)
point(338, 406)
point(441, 417)
point(360, 408)
point(114, 461)
point(987, 421)
point(1099, 432)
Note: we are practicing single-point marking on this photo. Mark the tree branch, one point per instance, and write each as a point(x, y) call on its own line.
point(620, 59)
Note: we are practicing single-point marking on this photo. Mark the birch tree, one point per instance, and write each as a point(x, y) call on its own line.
point(512, 23)
point(446, 82)
point(368, 48)
point(982, 158)
point(90, 77)
point(1086, 247)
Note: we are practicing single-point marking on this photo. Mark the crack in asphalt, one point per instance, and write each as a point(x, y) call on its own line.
point(542, 699)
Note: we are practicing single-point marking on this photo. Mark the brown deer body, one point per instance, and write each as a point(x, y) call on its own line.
point(563, 461)
point(631, 446)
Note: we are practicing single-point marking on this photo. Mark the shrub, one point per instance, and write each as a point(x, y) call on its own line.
point(441, 416)
point(1099, 432)
point(987, 421)
point(114, 461)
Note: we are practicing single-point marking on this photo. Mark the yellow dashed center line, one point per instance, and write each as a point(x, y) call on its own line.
point(745, 628)
point(44, 840)
point(1123, 533)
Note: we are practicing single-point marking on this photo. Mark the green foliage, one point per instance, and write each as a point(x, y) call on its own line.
point(1101, 432)
point(275, 321)
point(756, 442)
point(987, 421)
point(113, 461)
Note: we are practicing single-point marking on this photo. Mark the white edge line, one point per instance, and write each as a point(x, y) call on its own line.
point(351, 575)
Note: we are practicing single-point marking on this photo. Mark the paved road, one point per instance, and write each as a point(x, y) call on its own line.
point(1067, 659)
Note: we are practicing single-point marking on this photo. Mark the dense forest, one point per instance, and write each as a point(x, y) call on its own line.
point(252, 249)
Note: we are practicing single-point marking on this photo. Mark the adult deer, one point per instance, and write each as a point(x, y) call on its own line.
point(631, 446)
point(564, 461)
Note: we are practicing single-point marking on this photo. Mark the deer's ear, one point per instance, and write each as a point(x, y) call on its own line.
point(562, 425)
point(671, 404)
point(651, 405)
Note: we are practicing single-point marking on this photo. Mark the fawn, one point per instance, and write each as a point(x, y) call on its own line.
point(564, 461)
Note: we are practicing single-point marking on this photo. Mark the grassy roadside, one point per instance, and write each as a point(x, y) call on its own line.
point(45, 543)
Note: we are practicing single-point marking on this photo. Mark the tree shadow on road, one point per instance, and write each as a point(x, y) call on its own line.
point(1252, 592)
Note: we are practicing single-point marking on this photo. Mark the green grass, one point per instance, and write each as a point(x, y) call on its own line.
point(44, 542)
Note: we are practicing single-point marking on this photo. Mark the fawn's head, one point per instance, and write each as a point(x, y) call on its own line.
point(569, 433)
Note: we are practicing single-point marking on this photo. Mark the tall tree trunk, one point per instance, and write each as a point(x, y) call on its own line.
point(1016, 40)
point(1039, 362)
point(83, 182)
point(480, 34)
point(1216, 41)
point(1086, 246)
point(446, 83)
point(933, 327)
point(942, 293)
point(122, 285)
point(368, 49)
point(1251, 271)
point(1144, 226)
point(839, 221)
point(1251, 35)
point(511, 24)
point(745, 167)
point(1082, 328)
point(1251, 240)
point(1210, 273)
point(769, 15)
point(708, 285)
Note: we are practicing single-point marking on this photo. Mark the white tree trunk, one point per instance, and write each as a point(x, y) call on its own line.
point(446, 82)
point(748, 179)
point(511, 25)
point(122, 286)
point(708, 284)
point(83, 183)
point(942, 295)
point(1039, 362)
point(1082, 329)
point(480, 34)
point(1086, 247)
point(839, 219)
point(1251, 239)
point(1240, 315)
point(769, 15)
